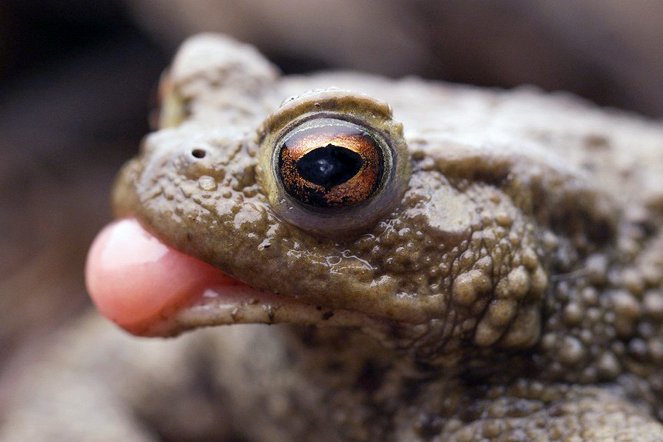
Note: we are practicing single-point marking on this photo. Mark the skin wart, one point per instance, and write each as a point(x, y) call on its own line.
point(512, 291)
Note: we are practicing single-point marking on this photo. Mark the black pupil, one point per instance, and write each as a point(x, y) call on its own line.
point(329, 166)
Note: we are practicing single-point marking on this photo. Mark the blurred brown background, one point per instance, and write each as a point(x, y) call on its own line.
point(77, 78)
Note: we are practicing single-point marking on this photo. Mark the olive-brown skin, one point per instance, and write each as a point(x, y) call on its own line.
point(514, 292)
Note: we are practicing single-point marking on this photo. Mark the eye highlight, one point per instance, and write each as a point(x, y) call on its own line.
point(330, 163)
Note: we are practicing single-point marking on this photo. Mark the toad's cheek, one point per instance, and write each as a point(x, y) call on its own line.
point(135, 280)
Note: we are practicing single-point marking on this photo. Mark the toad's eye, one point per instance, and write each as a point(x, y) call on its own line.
point(333, 162)
point(330, 163)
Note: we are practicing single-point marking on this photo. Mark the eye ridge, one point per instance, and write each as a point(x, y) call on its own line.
point(329, 166)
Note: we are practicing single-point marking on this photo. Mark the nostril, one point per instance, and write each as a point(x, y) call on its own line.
point(199, 153)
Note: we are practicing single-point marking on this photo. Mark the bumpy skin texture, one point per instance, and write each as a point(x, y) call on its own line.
point(515, 293)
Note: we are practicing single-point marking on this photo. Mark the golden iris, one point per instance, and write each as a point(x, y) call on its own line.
point(326, 162)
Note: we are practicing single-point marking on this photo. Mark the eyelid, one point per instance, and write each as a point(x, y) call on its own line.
point(317, 126)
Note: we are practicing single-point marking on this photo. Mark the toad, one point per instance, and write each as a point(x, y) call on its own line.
point(440, 263)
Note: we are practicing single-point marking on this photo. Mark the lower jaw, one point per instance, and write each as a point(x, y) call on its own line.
point(226, 305)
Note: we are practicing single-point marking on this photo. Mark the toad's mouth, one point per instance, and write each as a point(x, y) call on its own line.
point(150, 289)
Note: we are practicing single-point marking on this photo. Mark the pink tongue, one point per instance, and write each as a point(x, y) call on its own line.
point(135, 280)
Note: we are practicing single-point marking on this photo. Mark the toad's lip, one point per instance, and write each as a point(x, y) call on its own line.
point(150, 289)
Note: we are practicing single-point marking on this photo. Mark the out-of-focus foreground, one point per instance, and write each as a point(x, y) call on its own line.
point(76, 81)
